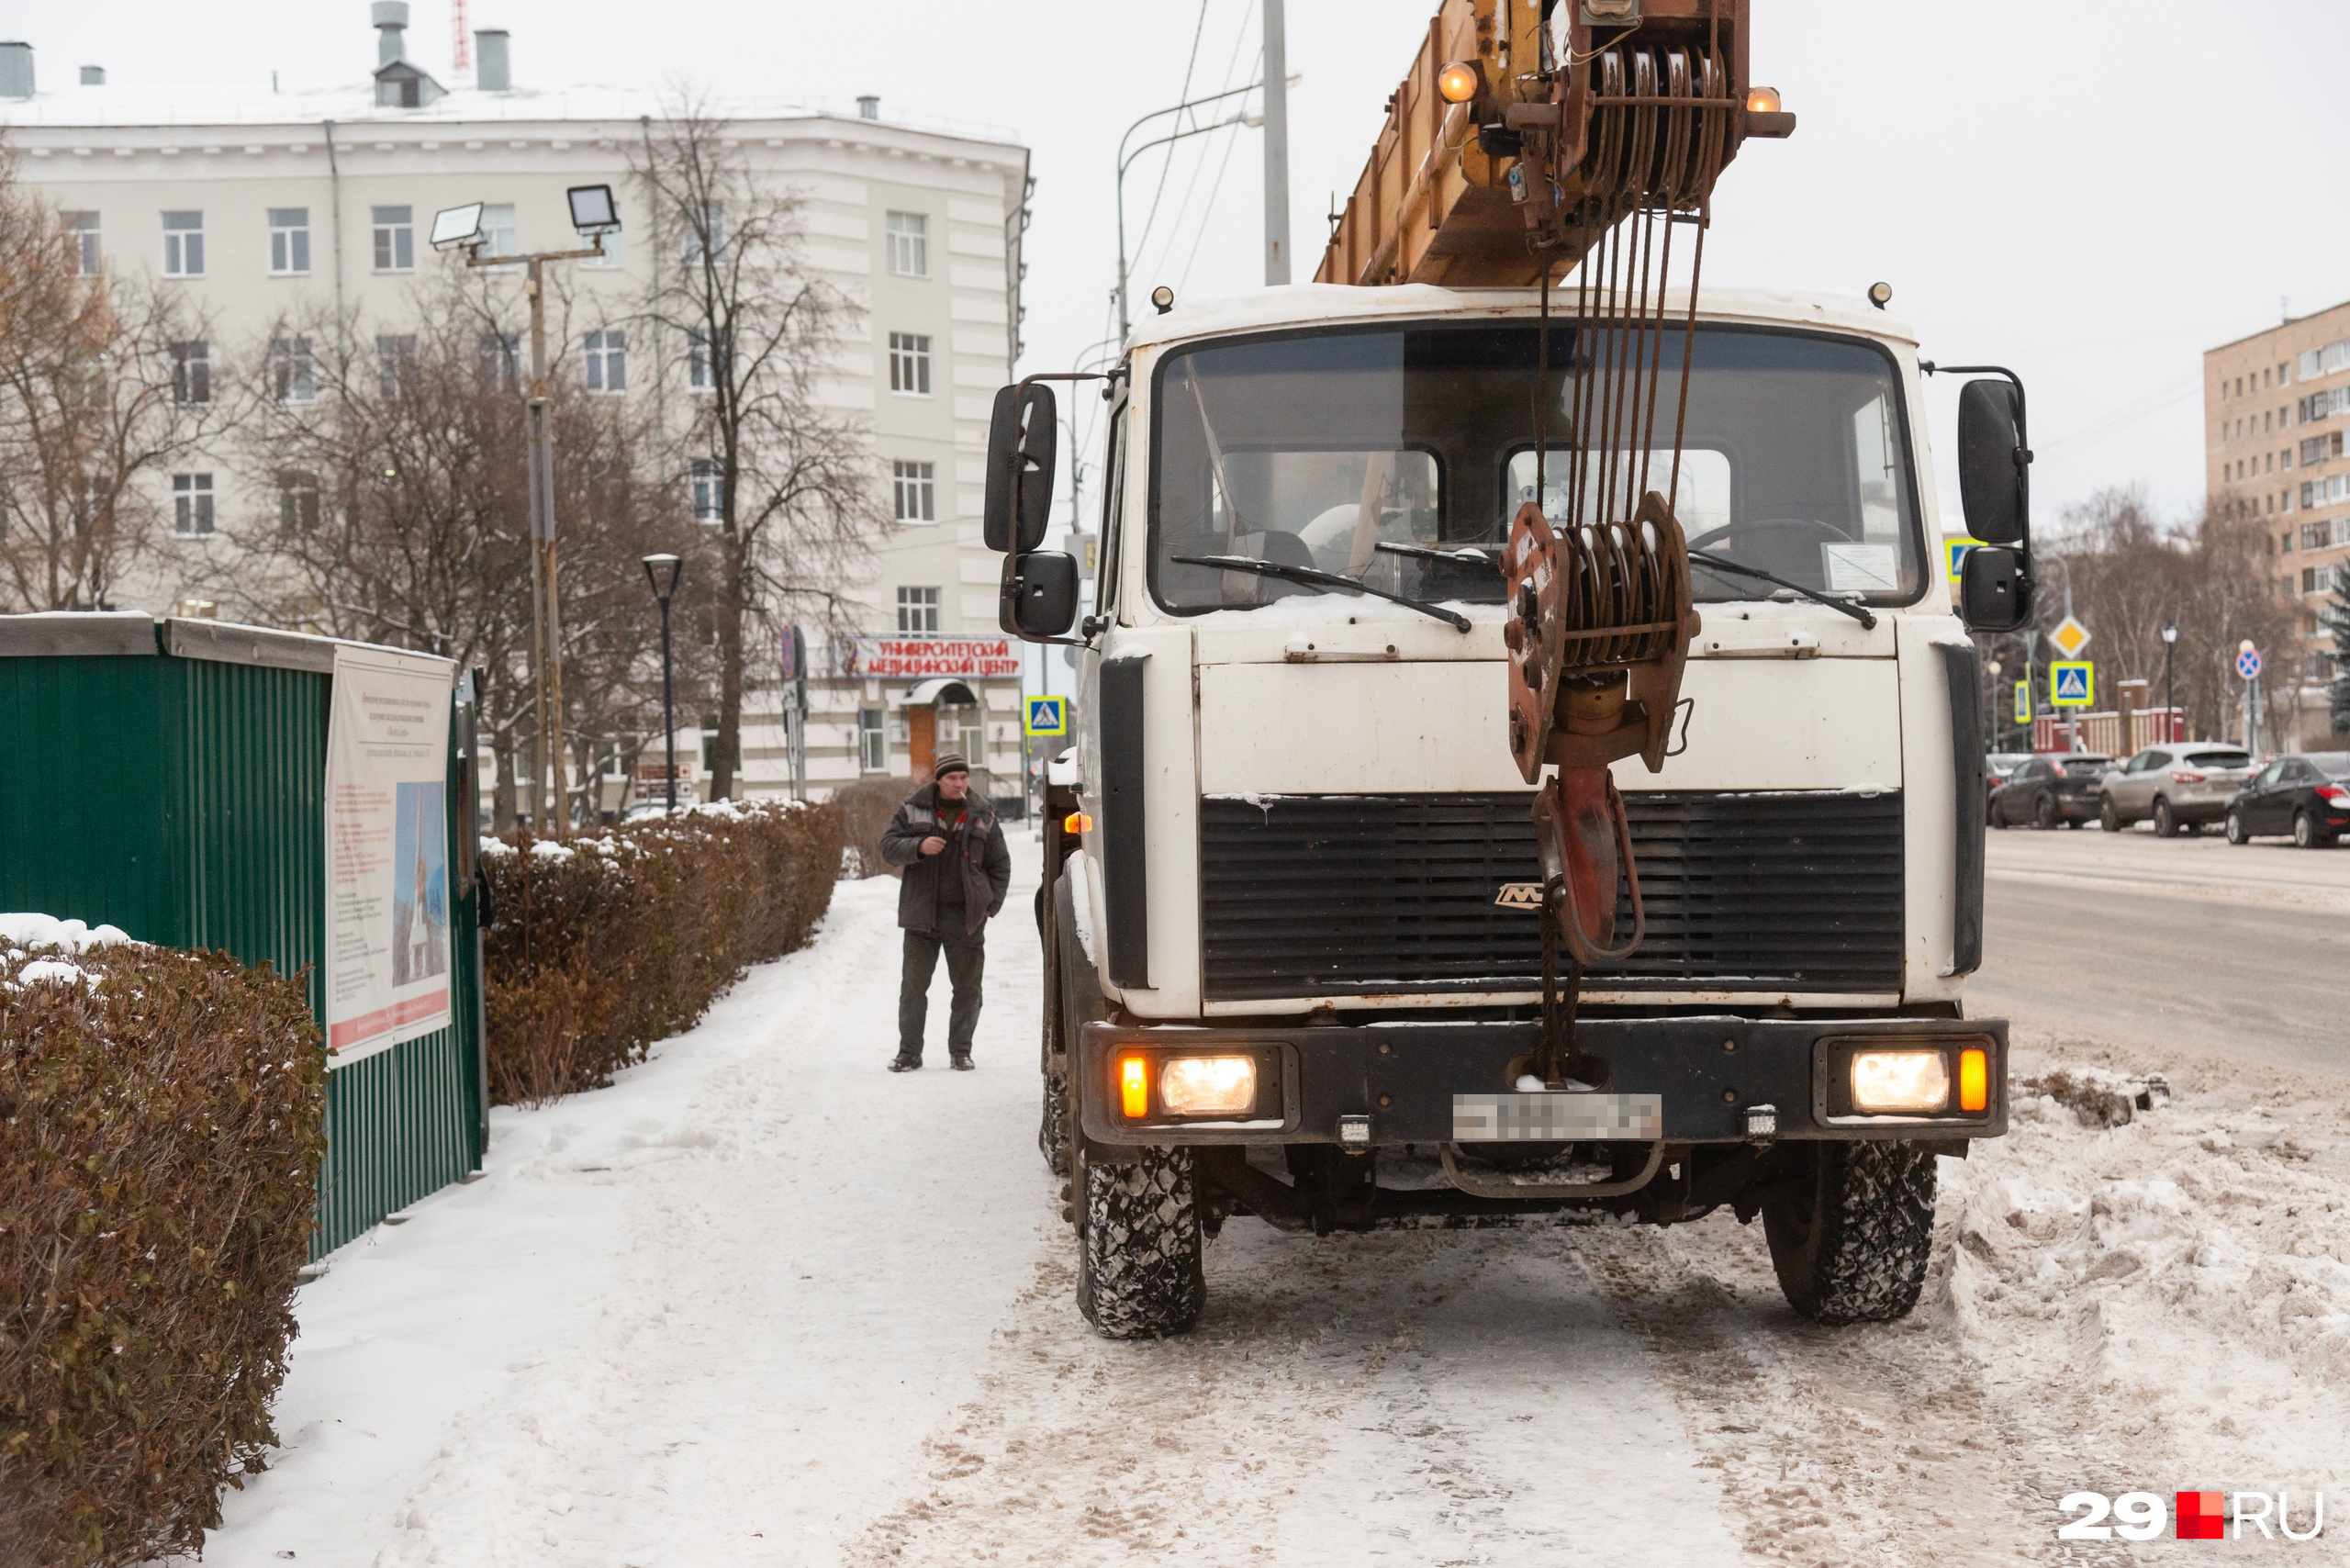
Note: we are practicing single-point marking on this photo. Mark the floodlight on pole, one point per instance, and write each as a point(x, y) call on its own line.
point(594, 214)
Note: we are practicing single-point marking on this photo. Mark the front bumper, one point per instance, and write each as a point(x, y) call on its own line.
point(1708, 1072)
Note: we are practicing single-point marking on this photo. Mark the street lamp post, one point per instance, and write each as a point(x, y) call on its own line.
point(594, 215)
point(2170, 686)
point(1124, 158)
point(663, 571)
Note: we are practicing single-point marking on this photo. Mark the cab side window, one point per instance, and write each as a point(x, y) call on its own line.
point(1113, 512)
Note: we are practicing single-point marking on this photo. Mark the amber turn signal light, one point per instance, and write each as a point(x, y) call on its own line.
point(1133, 1088)
point(1076, 821)
point(1458, 81)
point(1973, 1080)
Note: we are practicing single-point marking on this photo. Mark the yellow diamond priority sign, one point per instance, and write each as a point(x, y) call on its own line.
point(2070, 637)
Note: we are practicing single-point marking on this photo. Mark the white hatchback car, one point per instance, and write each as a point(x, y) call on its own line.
point(2181, 785)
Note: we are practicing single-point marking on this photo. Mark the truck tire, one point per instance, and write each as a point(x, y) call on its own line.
point(1052, 1129)
point(1851, 1244)
point(1138, 1259)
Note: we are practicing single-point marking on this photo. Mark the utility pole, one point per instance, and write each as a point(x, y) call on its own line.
point(1276, 78)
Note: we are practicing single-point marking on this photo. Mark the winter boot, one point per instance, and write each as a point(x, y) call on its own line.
point(904, 1063)
point(961, 1063)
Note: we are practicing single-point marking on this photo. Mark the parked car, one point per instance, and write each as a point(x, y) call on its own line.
point(2056, 786)
point(2179, 786)
point(1997, 767)
point(2306, 795)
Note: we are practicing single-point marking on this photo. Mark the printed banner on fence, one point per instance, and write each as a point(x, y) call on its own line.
point(919, 658)
point(387, 851)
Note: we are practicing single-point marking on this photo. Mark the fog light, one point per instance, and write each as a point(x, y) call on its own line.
point(1133, 1088)
point(1899, 1080)
point(1973, 1080)
point(1208, 1086)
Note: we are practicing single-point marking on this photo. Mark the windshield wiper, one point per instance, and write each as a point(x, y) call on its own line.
point(1467, 556)
point(1719, 565)
point(1312, 579)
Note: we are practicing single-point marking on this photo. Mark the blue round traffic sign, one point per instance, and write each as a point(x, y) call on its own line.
point(2248, 662)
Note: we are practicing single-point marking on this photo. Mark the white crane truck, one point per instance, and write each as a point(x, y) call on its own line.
point(1290, 912)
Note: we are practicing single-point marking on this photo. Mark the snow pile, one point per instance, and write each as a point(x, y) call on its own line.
point(2175, 1278)
point(65, 936)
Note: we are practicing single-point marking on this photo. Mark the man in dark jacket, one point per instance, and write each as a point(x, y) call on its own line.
point(957, 871)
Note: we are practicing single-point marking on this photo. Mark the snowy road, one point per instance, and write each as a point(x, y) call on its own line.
point(762, 1303)
point(2234, 952)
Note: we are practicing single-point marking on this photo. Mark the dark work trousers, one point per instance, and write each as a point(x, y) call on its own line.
point(965, 956)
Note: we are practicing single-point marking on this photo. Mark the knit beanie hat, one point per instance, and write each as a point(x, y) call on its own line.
point(951, 763)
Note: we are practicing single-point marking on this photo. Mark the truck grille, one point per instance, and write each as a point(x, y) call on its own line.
point(1347, 895)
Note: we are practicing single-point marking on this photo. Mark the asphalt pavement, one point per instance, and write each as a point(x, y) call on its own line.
point(2189, 945)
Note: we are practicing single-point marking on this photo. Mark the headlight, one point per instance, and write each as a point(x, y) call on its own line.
point(1208, 1086)
point(1886, 1082)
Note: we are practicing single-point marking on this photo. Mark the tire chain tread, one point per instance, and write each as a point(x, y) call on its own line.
point(1142, 1245)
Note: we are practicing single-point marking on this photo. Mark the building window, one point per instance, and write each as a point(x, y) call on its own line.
point(395, 362)
point(297, 501)
point(915, 491)
point(705, 226)
point(498, 234)
point(910, 244)
point(191, 504)
point(395, 238)
point(191, 373)
point(183, 244)
point(872, 742)
point(909, 364)
point(291, 379)
point(917, 610)
point(710, 491)
point(501, 360)
point(83, 227)
point(701, 368)
point(2316, 536)
point(289, 240)
point(607, 361)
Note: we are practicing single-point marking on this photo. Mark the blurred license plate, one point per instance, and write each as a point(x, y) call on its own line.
point(1557, 1118)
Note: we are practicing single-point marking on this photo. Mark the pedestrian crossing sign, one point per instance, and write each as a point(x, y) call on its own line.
point(1049, 715)
point(2023, 702)
point(2072, 683)
point(1954, 554)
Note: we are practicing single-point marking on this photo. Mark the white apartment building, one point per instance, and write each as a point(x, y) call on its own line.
point(262, 206)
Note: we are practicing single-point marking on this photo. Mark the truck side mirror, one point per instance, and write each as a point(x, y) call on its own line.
point(1994, 587)
point(1020, 467)
point(1994, 484)
point(1039, 595)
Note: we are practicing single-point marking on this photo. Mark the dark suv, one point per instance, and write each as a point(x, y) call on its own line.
point(2056, 786)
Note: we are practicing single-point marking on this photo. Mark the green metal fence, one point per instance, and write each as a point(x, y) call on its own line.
point(170, 778)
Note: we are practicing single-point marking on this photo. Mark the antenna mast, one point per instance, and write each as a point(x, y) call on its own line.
point(465, 50)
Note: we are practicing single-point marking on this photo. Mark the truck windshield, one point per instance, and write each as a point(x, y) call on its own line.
point(1311, 450)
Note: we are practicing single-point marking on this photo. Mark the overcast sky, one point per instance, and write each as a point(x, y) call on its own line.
point(2091, 194)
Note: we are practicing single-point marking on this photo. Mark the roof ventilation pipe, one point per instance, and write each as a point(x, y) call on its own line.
point(869, 107)
point(93, 76)
point(15, 71)
point(492, 71)
point(390, 19)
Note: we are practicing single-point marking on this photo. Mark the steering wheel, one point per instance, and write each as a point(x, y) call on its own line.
point(1826, 531)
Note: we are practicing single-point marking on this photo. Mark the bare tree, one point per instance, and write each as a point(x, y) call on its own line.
point(790, 483)
point(398, 512)
point(98, 394)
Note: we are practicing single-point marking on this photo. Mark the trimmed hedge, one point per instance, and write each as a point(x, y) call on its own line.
point(866, 807)
point(161, 1131)
point(605, 944)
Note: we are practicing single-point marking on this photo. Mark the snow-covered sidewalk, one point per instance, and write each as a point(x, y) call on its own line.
point(706, 1316)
